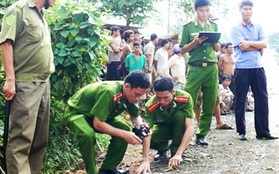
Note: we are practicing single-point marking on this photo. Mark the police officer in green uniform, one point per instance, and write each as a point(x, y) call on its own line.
point(94, 109)
point(28, 63)
point(170, 114)
point(203, 70)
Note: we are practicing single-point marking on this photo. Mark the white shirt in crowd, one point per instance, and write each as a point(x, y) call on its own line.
point(161, 56)
point(177, 67)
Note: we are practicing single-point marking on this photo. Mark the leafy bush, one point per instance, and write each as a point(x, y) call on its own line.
point(79, 46)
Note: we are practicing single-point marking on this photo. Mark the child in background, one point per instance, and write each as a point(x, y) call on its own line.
point(226, 95)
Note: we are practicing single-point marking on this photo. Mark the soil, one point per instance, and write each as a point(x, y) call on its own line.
point(226, 154)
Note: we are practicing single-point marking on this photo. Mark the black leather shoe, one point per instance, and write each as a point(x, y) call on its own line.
point(160, 155)
point(201, 141)
point(113, 171)
point(266, 137)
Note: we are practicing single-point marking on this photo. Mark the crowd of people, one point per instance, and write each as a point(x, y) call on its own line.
point(215, 79)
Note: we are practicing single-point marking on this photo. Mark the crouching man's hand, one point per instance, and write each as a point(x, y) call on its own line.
point(144, 167)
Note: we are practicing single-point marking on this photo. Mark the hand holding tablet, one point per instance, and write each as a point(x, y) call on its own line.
point(212, 37)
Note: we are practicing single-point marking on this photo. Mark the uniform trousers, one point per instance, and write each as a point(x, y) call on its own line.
point(255, 78)
point(174, 130)
point(206, 80)
point(28, 128)
point(86, 138)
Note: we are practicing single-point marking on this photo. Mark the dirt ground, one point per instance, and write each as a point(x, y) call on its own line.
point(225, 153)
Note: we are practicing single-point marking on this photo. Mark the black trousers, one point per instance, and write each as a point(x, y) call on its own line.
point(256, 78)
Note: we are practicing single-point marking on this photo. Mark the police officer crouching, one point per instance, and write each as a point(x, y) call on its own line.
point(170, 115)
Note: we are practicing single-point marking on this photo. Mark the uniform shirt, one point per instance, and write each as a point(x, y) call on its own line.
point(162, 116)
point(149, 49)
point(101, 100)
point(135, 64)
point(26, 26)
point(244, 32)
point(115, 57)
point(177, 66)
point(161, 56)
point(203, 52)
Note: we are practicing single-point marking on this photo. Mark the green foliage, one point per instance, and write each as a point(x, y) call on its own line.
point(133, 11)
point(3, 6)
point(61, 153)
point(79, 45)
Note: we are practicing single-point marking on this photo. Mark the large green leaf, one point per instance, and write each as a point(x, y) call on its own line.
point(64, 33)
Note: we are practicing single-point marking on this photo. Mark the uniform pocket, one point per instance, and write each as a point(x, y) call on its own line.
point(34, 33)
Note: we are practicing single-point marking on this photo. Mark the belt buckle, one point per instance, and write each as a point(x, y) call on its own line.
point(204, 64)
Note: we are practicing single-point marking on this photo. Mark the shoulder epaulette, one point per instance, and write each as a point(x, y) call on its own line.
point(212, 22)
point(181, 99)
point(117, 97)
point(153, 106)
point(21, 4)
point(187, 23)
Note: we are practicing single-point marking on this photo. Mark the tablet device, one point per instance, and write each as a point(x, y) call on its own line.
point(213, 37)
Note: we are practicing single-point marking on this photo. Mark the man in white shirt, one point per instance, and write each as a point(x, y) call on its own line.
point(149, 50)
point(161, 57)
point(177, 67)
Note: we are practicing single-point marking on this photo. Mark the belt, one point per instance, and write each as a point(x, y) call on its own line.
point(204, 64)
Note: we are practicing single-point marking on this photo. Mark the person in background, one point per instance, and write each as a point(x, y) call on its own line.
point(128, 36)
point(203, 70)
point(226, 64)
point(226, 95)
point(218, 54)
point(95, 109)
point(139, 38)
point(170, 115)
point(161, 57)
point(135, 60)
point(114, 54)
point(248, 40)
point(27, 59)
point(149, 51)
point(175, 68)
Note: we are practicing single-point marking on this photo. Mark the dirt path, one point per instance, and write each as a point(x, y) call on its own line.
point(225, 153)
point(228, 155)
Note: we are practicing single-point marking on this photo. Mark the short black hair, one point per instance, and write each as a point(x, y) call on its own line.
point(137, 79)
point(201, 3)
point(153, 37)
point(223, 45)
point(163, 84)
point(136, 32)
point(127, 34)
point(114, 28)
point(164, 42)
point(136, 43)
point(226, 76)
point(228, 44)
point(245, 2)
